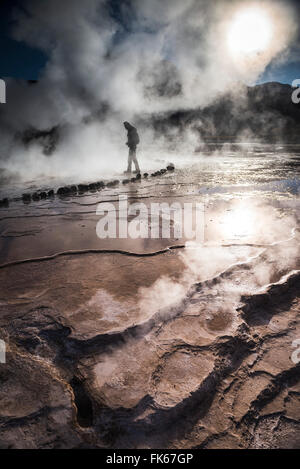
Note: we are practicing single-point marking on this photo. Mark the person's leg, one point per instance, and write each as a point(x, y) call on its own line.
point(129, 160)
point(136, 163)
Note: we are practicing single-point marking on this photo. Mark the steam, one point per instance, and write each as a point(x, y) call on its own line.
point(273, 251)
point(151, 58)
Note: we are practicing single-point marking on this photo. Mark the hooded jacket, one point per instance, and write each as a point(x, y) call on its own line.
point(133, 138)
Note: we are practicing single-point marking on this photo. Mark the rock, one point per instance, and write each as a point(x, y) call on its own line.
point(51, 193)
point(43, 417)
point(146, 175)
point(36, 197)
point(138, 176)
point(26, 197)
point(43, 195)
point(163, 171)
point(4, 202)
point(73, 188)
point(64, 191)
point(92, 186)
point(133, 179)
point(191, 371)
point(83, 187)
point(126, 181)
point(170, 167)
point(100, 185)
point(113, 183)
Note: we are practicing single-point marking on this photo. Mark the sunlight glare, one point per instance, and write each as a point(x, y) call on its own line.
point(238, 223)
point(250, 32)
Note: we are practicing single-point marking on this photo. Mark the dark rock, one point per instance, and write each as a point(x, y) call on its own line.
point(73, 188)
point(83, 403)
point(4, 202)
point(163, 171)
point(43, 195)
point(170, 167)
point(113, 183)
point(64, 191)
point(92, 187)
point(51, 193)
point(126, 181)
point(138, 176)
point(83, 187)
point(133, 179)
point(100, 184)
point(36, 197)
point(26, 197)
point(146, 175)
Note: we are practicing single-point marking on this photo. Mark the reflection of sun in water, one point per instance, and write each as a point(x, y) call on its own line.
point(238, 223)
point(250, 32)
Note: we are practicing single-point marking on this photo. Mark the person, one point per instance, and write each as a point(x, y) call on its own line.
point(133, 140)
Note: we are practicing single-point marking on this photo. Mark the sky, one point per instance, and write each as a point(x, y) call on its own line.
point(22, 61)
point(17, 59)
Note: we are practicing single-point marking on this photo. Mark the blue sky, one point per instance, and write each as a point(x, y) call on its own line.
point(286, 73)
point(18, 60)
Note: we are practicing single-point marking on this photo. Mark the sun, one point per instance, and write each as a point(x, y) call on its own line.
point(250, 33)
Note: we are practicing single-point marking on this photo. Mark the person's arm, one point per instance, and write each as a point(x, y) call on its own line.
point(129, 138)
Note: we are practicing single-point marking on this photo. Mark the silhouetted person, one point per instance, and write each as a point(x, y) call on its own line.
point(133, 140)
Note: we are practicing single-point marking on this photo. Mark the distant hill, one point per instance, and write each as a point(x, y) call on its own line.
point(263, 113)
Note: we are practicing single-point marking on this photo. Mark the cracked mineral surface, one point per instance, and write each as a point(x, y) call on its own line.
point(123, 343)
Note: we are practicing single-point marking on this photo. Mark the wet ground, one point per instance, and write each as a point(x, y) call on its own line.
point(156, 342)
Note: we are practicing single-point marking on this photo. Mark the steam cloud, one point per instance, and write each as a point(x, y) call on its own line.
point(108, 64)
point(275, 257)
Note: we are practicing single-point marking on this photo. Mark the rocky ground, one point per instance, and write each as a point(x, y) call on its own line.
point(179, 348)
